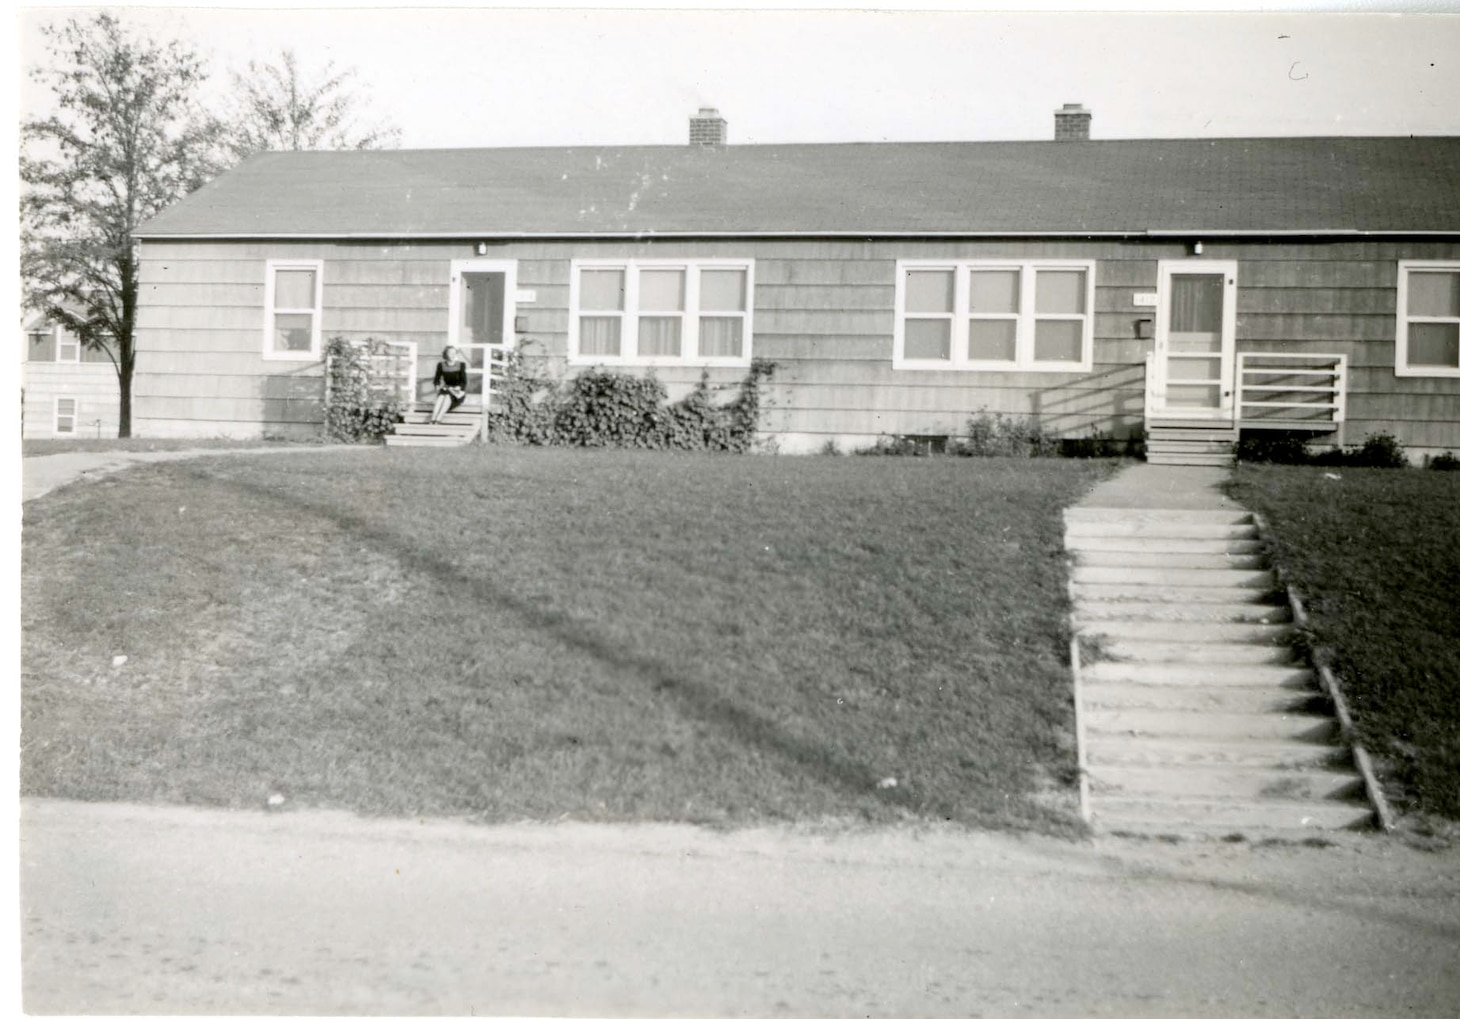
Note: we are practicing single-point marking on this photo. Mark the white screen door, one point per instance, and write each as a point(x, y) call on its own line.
point(483, 311)
point(1195, 340)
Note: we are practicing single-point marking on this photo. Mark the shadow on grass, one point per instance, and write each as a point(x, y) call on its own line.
point(695, 700)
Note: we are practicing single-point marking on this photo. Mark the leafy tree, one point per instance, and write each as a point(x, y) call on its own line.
point(282, 108)
point(125, 141)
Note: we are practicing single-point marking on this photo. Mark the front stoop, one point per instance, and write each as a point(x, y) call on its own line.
point(457, 428)
point(1191, 443)
point(1197, 716)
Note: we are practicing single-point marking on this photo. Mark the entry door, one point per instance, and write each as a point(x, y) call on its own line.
point(1196, 340)
point(483, 313)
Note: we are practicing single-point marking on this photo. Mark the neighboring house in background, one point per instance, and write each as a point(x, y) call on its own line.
point(1096, 286)
point(67, 391)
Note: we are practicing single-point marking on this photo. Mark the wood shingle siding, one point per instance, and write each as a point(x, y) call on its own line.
point(823, 310)
point(92, 385)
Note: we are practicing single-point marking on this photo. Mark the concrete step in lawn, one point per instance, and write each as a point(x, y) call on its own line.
point(1227, 727)
point(1170, 560)
point(1222, 699)
point(1250, 783)
point(1125, 650)
point(1198, 717)
point(1251, 674)
point(1166, 631)
point(1157, 577)
point(1216, 817)
point(1093, 611)
point(1211, 530)
point(1176, 545)
point(1161, 753)
point(1088, 593)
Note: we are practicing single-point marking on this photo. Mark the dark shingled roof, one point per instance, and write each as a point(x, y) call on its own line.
point(1243, 186)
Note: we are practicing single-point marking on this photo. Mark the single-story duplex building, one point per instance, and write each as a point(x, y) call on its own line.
point(67, 391)
point(1182, 288)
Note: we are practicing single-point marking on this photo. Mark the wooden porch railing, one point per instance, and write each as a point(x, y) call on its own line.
point(1292, 391)
point(392, 370)
point(399, 367)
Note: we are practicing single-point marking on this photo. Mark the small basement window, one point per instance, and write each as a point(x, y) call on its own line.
point(1427, 336)
point(293, 292)
point(994, 315)
point(661, 312)
point(67, 409)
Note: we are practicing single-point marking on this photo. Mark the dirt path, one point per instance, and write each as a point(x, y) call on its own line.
point(130, 909)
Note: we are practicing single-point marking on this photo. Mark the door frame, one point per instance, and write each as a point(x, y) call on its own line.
point(493, 355)
point(1225, 409)
point(461, 266)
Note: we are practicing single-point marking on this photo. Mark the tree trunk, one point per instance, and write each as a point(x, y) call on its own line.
point(124, 416)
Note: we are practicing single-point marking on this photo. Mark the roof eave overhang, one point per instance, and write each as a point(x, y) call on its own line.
point(644, 235)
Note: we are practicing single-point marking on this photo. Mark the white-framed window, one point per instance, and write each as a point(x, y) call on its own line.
point(661, 311)
point(1427, 336)
point(293, 294)
point(68, 347)
point(68, 408)
point(996, 315)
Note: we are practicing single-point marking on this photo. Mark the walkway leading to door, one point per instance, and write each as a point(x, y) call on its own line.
point(42, 474)
point(1197, 714)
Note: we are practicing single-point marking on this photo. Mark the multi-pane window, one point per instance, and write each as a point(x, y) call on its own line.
point(292, 297)
point(66, 412)
point(1428, 332)
point(68, 347)
point(639, 311)
point(994, 316)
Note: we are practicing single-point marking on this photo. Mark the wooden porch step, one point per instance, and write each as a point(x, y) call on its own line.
point(426, 440)
point(1206, 425)
point(445, 428)
point(461, 415)
point(1191, 434)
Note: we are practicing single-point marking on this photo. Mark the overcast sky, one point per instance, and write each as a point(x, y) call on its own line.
point(454, 78)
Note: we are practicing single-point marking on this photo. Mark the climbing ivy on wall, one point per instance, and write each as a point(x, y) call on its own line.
point(602, 408)
point(358, 406)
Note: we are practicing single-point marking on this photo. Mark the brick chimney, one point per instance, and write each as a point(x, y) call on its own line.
point(1072, 123)
point(707, 127)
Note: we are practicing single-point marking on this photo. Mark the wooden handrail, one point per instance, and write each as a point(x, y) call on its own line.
point(1330, 367)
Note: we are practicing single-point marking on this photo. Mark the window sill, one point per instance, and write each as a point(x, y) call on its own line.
point(1063, 368)
point(658, 362)
point(1406, 372)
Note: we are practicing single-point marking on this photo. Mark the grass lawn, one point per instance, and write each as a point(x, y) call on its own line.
point(502, 633)
point(1377, 554)
point(50, 447)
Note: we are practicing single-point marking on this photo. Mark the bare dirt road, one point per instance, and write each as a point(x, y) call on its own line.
point(129, 909)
